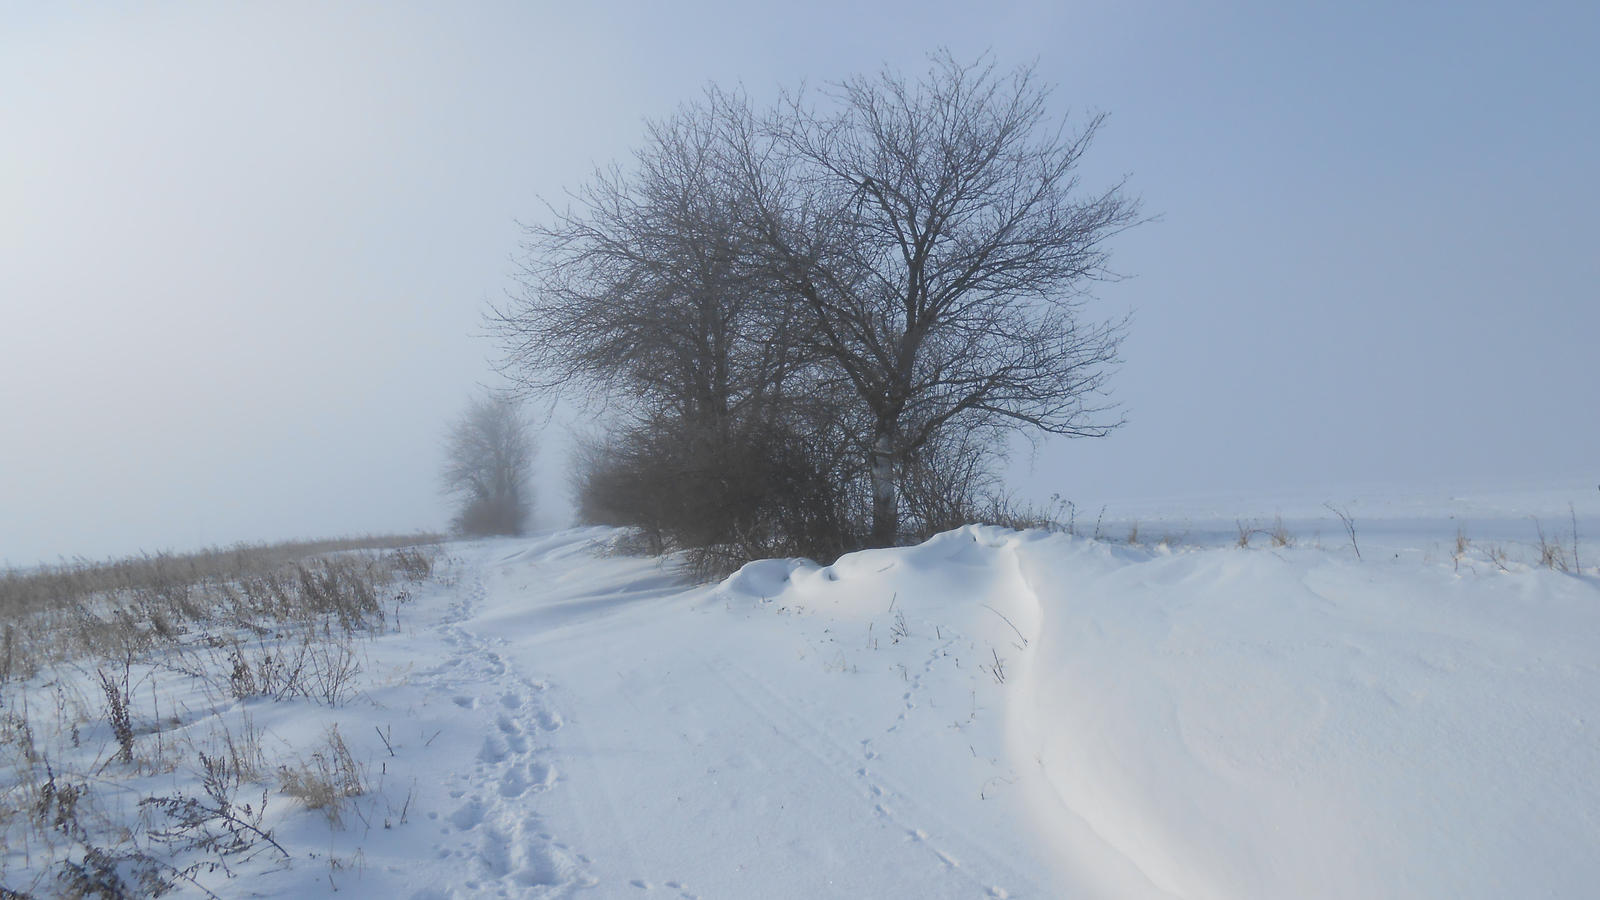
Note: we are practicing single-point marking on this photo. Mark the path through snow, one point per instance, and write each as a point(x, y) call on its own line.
point(704, 742)
point(989, 714)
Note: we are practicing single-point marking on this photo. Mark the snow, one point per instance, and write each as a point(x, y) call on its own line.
point(1248, 724)
point(991, 713)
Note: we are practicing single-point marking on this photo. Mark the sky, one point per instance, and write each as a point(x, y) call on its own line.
point(246, 249)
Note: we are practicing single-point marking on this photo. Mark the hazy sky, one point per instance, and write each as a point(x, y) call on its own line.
point(245, 248)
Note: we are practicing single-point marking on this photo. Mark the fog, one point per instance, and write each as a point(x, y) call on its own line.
point(245, 250)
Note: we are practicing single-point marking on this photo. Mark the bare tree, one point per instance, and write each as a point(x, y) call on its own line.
point(872, 292)
point(937, 236)
point(643, 290)
point(644, 295)
point(488, 454)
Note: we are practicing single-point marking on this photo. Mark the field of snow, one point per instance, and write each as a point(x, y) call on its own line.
point(988, 714)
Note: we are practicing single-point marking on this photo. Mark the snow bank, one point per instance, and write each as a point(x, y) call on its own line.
point(1242, 723)
point(1253, 724)
point(1250, 723)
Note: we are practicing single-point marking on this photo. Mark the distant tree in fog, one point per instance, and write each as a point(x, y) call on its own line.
point(488, 454)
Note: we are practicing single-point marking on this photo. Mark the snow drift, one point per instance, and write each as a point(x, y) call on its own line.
point(1246, 723)
point(989, 714)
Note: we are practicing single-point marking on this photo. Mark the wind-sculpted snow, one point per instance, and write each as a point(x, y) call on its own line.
point(988, 714)
point(1253, 724)
point(1250, 723)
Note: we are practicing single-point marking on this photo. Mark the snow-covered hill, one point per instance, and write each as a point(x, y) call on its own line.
point(991, 713)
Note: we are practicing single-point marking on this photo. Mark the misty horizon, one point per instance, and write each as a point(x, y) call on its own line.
point(247, 252)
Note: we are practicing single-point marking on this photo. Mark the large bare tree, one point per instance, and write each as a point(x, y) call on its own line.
point(897, 270)
point(937, 235)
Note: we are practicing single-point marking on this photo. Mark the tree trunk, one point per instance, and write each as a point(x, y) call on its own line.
point(885, 497)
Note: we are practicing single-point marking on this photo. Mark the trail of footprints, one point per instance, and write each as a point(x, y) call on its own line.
point(493, 837)
point(497, 832)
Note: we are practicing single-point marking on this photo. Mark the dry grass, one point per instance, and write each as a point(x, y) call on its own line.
point(171, 577)
point(1553, 554)
point(280, 621)
point(1280, 535)
point(128, 608)
point(327, 780)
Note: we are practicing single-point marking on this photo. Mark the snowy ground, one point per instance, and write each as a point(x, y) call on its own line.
point(990, 714)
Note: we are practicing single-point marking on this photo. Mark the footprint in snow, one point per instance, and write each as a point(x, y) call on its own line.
point(541, 776)
point(515, 739)
point(548, 720)
point(514, 784)
point(519, 780)
point(467, 817)
point(494, 749)
point(546, 865)
point(494, 853)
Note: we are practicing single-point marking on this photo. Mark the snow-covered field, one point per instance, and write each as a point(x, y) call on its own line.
point(989, 714)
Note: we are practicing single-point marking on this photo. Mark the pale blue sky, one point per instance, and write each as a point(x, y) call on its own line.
point(244, 248)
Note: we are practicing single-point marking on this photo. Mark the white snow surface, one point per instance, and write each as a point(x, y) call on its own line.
point(989, 714)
